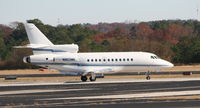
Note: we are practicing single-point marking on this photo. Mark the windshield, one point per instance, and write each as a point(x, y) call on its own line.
point(155, 57)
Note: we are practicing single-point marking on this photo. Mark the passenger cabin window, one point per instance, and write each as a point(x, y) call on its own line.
point(109, 60)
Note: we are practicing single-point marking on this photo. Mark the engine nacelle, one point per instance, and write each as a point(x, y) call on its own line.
point(27, 59)
point(45, 59)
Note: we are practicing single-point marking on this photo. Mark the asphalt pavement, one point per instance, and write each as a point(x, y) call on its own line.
point(106, 93)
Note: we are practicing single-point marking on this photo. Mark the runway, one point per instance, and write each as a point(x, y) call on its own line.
point(107, 93)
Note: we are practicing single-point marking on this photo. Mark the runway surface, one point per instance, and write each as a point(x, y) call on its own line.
point(112, 74)
point(106, 93)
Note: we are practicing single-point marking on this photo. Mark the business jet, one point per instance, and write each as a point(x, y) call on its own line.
point(66, 58)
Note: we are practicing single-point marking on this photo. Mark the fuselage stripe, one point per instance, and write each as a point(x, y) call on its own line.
point(51, 50)
point(78, 64)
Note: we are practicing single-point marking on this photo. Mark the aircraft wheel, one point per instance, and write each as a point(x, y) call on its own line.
point(148, 77)
point(84, 78)
point(92, 79)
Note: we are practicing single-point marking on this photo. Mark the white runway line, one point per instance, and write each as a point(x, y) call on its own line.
point(169, 88)
point(138, 95)
point(35, 91)
point(103, 81)
point(29, 84)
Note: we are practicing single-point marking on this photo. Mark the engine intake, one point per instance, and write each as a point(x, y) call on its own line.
point(27, 59)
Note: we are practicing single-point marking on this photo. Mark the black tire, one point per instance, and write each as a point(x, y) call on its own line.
point(92, 79)
point(148, 77)
point(84, 78)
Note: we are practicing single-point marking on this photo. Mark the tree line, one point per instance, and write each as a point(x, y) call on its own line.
point(175, 40)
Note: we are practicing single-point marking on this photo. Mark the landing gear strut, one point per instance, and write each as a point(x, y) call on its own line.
point(92, 77)
point(148, 75)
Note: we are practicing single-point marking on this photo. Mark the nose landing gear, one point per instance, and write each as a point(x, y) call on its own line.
point(148, 75)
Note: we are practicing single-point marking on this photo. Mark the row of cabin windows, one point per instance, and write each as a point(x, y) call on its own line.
point(109, 60)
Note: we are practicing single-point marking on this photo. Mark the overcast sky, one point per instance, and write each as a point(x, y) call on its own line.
point(95, 11)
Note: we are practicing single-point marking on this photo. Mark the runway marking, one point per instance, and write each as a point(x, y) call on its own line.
point(171, 88)
point(102, 81)
point(36, 91)
point(138, 95)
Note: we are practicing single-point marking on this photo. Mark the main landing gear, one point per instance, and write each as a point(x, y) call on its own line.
point(92, 77)
point(148, 75)
point(84, 78)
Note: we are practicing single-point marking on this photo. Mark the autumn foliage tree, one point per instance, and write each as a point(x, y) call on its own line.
point(173, 40)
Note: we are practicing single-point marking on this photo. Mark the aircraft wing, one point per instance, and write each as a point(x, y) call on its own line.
point(102, 70)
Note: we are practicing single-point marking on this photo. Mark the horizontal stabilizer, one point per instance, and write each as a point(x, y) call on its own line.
point(32, 46)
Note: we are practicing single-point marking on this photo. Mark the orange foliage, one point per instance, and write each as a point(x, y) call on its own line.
point(100, 37)
point(175, 31)
point(144, 32)
point(7, 30)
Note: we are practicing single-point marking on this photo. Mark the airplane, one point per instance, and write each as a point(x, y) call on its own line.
point(67, 60)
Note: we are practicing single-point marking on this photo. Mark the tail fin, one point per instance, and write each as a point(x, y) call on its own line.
point(41, 45)
point(35, 36)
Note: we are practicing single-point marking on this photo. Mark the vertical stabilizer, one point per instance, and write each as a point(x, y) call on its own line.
point(40, 44)
point(35, 36)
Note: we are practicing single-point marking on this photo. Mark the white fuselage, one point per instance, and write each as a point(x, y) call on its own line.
point(101, 62)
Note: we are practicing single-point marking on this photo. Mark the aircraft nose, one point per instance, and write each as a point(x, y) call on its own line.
point(168, 64)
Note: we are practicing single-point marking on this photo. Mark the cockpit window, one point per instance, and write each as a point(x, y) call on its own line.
point(154, 57)
point(157, 57)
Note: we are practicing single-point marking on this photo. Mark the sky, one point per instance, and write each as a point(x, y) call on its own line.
point(56, 12)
